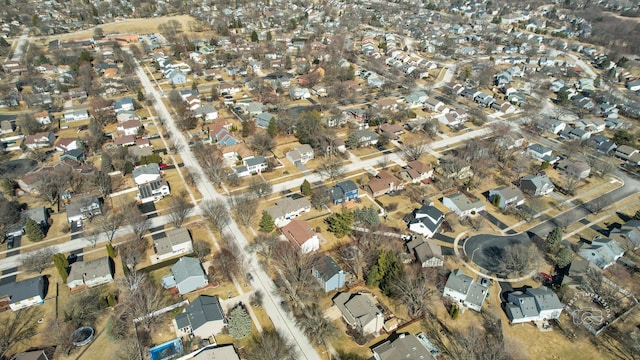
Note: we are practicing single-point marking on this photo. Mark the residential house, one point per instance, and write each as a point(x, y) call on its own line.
point(31, 355)
point(288, 208)
point(23, 294)
point(464, 291)
point(301, 235)
point(125, 140)
point(627, 235)
point(255, 108)
point(299, 93)
point(202, 318)
point(536, 185)
point(575, 169)
point(539, 152)
point(129, 127)
point(125, 104)
point(417, 171)
point(359, 312)
point(7, 127)
point(175, 242)
point(426, 252)
point(404, 346)
point(391, 131)
point(633, 85)
point(42, 117)
point(425, 221)
point(579, 134)
point(366, 137)
point(416, 99)
point(328, 273)
point(383, 183)
point(506, 197)
point(216, 352)
point(38, 214)
point(300, 154)
point(207, 112)
point(90, 273)
point(187, 275)
point(511, 140)
point(344, 191)
point(533, 304)
point(603, 252)
point(153, 191)
point(126, 115)
point(625, 152)
point(263, 120)
point(76, 115)
point(433, 104)
point(146, 173)
point(256, 164)
point(462, 205)
point(83, 208)
point(176, 77)
point(483, 99)
point(40, 140)
point(66, 144)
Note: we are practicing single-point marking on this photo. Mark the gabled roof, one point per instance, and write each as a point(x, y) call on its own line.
point(357, 309)
point(165, 244)
point(327, 267)
point(185, 268)
point(201, 311)
point(90, 269)
point(298, 232)
point(459, 281)
point(149, 169)
point(22, 290)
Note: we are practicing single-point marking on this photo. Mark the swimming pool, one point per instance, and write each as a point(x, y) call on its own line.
point(167, 350)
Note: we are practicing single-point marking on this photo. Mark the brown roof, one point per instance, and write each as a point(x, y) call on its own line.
point(127, 139)
point(298, 232)
point(131, 124)
point(419, 166)
point(382, 181)
point(391, 128)
point(64, 142)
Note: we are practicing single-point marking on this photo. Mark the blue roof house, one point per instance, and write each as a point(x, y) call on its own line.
point(344, 191)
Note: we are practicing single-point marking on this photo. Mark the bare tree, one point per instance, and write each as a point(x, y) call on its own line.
point(518, 258)
point(110, 223)
point(299, 285)
point(39, 260)
point(216, 213)
point(201, 249)
point(264, 244)
point(60, 335)
point(260, 187)
point(243, 207)
point(415, 291)
point(414, 150)
point(332, 167)
point(141, 297)
point(227, 263)
point(270, 345)
point(18, 327)
point(137, 221)
point(180, 209)
point(133, 252)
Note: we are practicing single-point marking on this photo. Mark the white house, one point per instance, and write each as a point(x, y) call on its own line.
point(42, 117)
point(23, 294)
point(76, 115)
point(300, 154)
point(299, 93)
point(462, 205)
point(464, 291)
point(176, 242)
point(129, 127)
point(301, 235)
point(508, 197)
point(40, 140)
point(83, 208)
point(603, 252)
point(146, 173)
point(539, 152)
point(425, 221)
point(534, 304)
point(91, 273)
point(153, 191)
point(66, 144)
point(360, 312)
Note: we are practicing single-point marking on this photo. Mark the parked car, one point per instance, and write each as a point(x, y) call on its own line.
point(10, 242)
point(163, 166)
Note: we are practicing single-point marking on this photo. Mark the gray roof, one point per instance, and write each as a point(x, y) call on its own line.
point(201, 311)
point(476, 294)
point(538, 148)
point(339, 190)
point(90, 269)
point(165, 244)
point(31, 355)
point(356, 308)
point(431, 212)
point(545, 298)
point(459, 281)
point(185, 268)
point(253, 161)
point(286, 206)
point(463, 203)
point(406, 346)
point(508, 192)
point(327, 267)
point(204, 109)
point(22, 290)
point(147, 189)
point(149, 169)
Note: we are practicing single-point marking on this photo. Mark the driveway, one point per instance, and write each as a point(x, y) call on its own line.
point(486, 250)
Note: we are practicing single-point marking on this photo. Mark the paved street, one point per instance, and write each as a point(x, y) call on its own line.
point(282, 321)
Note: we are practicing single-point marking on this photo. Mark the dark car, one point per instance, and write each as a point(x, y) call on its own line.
point(10, 241)
point(249, 277)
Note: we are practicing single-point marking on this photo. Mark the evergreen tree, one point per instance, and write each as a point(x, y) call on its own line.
point(269, 36)
point(140, 95)
point(110, 251)
point(33, 230)
point(266, 223)
point(387, 271)
point(272, 129)
point(496, 200)
point(554, 240)
point(564, 257)
point(340, 223)
point(239, 323)
point(254, 36)
point(305, 188)
point(62, 264)
point(367, 216)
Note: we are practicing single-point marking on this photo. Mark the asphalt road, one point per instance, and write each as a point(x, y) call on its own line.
point(282, 320)
point(486, 250)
